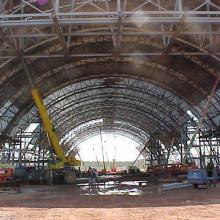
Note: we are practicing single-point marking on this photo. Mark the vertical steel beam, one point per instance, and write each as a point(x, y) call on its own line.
point(56, 4)
point(58, 29)
point(179, 5)
point(73, 3)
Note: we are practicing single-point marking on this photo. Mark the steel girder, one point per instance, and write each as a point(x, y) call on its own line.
point(167, 19)
point(85, 89)
point(105, 69)
point(76, 104)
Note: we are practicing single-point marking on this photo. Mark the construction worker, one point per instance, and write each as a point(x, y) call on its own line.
point(209, 168)
point(92, 177)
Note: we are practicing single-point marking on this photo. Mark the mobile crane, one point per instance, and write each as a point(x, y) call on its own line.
point(64, 168)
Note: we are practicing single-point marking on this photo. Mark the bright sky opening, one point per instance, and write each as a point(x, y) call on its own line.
point(116, 147)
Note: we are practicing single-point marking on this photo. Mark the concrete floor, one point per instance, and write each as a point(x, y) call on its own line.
point(129, 202)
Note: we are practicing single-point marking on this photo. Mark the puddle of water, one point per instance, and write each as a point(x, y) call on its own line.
point(131, 192)
point(89, 194)
point(106, 185)
point(96, 191)
point(110, 188)
point(135, 183)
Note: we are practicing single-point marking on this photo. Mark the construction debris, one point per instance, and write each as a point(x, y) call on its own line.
point(171, 186)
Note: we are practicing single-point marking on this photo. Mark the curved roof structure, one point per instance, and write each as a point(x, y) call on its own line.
point(138, 68)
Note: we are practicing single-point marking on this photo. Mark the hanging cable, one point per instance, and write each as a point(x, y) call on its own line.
point(103, 156)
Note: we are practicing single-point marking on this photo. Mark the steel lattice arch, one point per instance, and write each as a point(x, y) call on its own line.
point(142, 68)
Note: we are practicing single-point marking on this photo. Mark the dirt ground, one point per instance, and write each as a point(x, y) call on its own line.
point(74, 203)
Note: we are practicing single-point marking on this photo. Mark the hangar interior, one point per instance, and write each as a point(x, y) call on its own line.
point(144, 69)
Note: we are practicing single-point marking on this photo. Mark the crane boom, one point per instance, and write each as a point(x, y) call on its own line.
point(48, 127)
point(52, 136)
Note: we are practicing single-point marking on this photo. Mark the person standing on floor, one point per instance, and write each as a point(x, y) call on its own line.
point(92, 177)
point(210, 167)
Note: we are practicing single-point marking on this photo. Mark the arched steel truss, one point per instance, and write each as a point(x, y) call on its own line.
point(144, 63)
